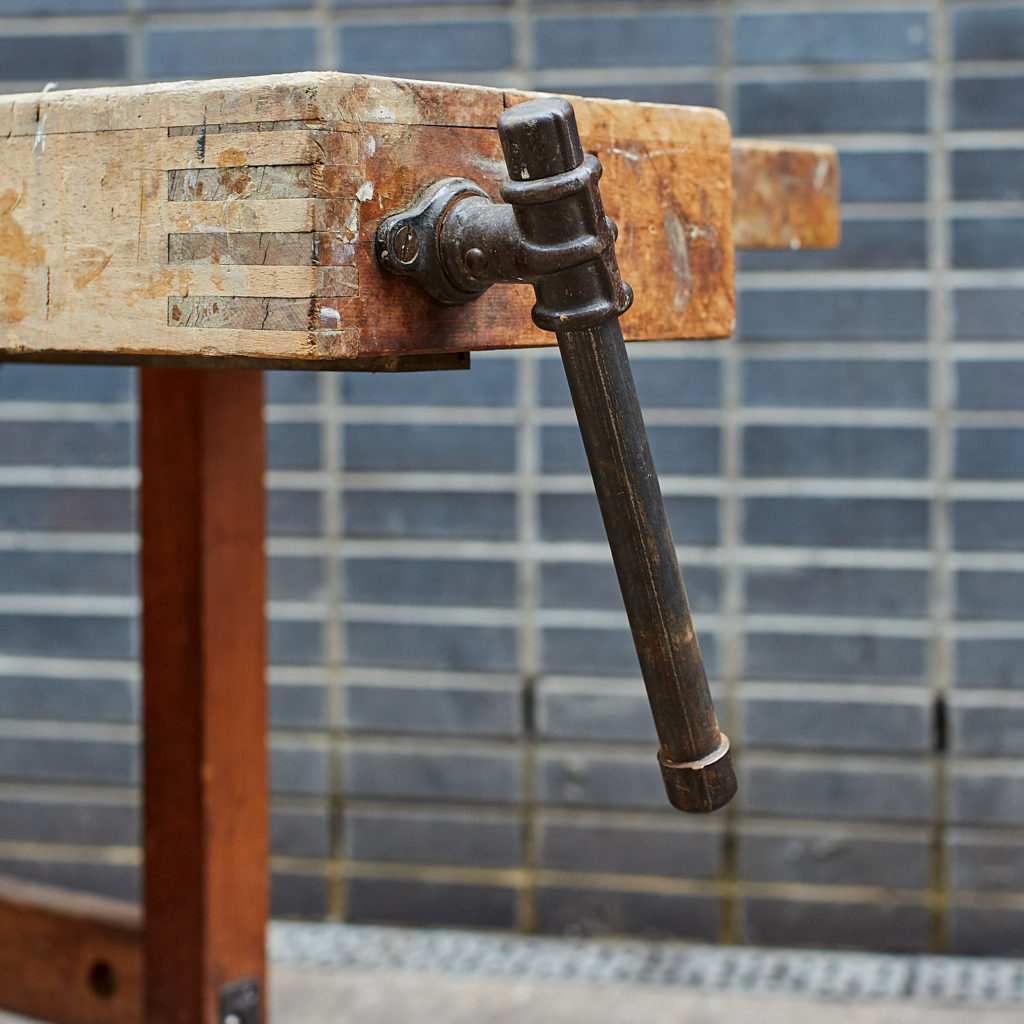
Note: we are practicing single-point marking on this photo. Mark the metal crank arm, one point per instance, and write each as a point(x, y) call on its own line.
point(552, 232)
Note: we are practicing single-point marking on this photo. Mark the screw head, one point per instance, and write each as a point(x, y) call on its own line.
point(476, 261)
point(405, 244)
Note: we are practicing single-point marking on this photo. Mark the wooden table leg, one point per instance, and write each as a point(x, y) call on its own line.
point(203, 584)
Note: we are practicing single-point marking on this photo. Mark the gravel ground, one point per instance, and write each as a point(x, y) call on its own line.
point(343, 974)
point(303, 995)
point(349, 973)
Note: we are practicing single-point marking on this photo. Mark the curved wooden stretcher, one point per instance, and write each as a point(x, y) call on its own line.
point(200, 227)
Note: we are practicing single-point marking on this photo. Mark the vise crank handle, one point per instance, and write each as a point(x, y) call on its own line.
point(694, 755)
point(582, 305)
point(552, 232)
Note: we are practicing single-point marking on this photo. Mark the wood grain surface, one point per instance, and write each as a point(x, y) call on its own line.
point(204, 709)
point(137, 220)
point(784, 196)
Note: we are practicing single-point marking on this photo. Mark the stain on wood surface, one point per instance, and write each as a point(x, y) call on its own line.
point(785, 196)
point(21, 256)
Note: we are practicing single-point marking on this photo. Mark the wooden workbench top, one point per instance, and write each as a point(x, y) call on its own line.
point(234, 220)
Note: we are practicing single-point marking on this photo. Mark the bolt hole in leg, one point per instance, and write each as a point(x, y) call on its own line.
point(102, 979)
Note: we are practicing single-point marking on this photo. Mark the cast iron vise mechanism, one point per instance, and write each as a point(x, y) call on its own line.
point(552, 232)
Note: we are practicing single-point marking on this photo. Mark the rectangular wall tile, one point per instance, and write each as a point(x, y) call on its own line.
point(392, 49)
point(988, 174)
point(429, 837)
point(862, 788)
point(988, 525)
point(640, 849)
point(448, 515)
point(171, 54)
point(901, 452)
point(464, 710)
point(837, 522)
point(842, 856)
point(431, 581)
point(883, 176)
point(809, 723)
point(992, 663)
point(988, 33)
point(454, 647)
point(901, 593)
point(811, 657)
point(429, 774)
point(413, 902)
point(560, 909)
point(641, 40)
point(986, 795)
point(822, 38)
point(41, 57)
point(980, 103)
point(847, 315)
point(890, 926)
point(826, 383)
point(851, 105)
point(996, 384)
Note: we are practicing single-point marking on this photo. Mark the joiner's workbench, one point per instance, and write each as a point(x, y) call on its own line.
point(201, 230)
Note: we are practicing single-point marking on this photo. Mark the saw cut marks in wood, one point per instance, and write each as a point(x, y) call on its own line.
point(233, 220)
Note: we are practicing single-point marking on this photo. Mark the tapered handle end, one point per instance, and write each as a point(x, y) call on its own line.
point(700, 787)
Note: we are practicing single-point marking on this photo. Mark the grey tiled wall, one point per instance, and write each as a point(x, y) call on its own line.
point(459, 731)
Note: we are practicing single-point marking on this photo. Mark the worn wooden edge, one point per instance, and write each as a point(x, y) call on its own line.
point(785, 195)
point(312, 98)
point(67, 957)
point(315, 97)
point(357, 364)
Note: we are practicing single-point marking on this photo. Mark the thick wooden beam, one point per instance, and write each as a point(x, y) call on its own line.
point(236, 218)
point(206, 866)
point(785, 196)
point(69, 958)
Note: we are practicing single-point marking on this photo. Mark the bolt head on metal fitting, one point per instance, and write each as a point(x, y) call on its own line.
point(699, 787)
point(405, 244)
point(476, 261)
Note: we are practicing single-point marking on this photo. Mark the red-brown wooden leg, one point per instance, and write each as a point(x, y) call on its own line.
point(203, 584)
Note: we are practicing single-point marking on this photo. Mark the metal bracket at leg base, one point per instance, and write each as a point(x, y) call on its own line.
point(241, 1002)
